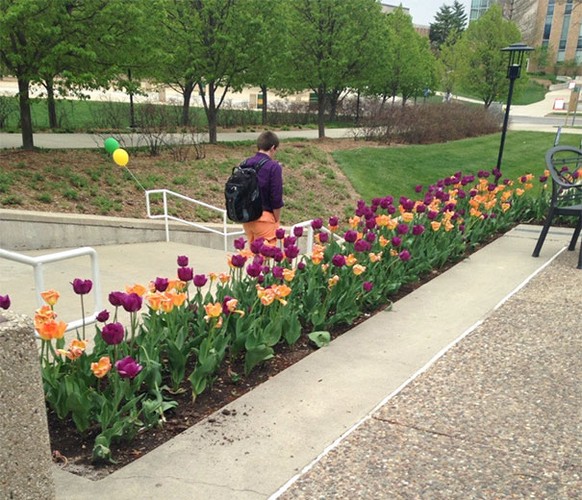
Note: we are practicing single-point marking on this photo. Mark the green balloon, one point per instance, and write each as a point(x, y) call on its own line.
point(111, 145)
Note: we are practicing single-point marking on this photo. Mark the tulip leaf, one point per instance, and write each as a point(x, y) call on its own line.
point(320, 339)
point(256, 355)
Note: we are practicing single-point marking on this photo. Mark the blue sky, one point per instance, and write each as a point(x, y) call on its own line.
point(423, 11)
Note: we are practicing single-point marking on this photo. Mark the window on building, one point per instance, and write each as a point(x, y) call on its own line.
point(548, 23)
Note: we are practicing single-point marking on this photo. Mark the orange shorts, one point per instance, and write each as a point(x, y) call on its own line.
point(264, 227)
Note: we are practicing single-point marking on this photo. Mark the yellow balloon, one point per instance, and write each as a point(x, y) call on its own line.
point(120, 157)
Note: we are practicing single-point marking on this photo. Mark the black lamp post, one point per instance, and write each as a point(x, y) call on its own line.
point(516, 52)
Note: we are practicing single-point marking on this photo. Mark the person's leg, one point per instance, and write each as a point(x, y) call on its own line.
point(265, 227)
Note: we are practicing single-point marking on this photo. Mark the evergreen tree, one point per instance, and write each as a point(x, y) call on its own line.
point(450, 22)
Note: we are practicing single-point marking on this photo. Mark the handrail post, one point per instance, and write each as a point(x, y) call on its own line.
point(224, 231)
point(166, 216)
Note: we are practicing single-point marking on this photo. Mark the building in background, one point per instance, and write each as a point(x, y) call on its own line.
point(553, 25)
point(387, 8)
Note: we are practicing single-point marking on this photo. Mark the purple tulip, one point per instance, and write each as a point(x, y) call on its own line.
point(182, 260)
point(316, 223)
point(298, 231)
point(323, 237)
point(418, 188)
point(113, 333)
point(257, 245)
point(404, 255)
point(351, 236)
point(396, 241)
point(200, 280)
point(402, 228)
point(82, 287)
point(239, 243)
point(362, 246)
point(103, 316)
point(333, 221)
point(278, 255)
point(161, 284)
point(258, 259)
point(290, 240)
point(4, 301)
point(386, 202)
point(367, 286)
point(338, 260)
point(253, 270)
point(238, 260)
point(280, 233)
point(185, 273)
point(128, 367)
point(225, 308)
point(370, 237)
point(292, 252)
point(432, 214)
point(132, 301)
point(301, 266)
point(260, 279)
point(116, 298)
point(417, 230)
point(277, 272)
point(420, 208)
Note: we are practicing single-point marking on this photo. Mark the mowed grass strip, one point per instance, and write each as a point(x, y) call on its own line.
point(396, 170)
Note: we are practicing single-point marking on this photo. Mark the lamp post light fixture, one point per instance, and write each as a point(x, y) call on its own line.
point(516, 52)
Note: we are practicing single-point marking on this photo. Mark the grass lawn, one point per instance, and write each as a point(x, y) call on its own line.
point(397, 170)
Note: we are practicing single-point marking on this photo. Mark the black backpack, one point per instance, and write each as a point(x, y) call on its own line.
point(242, 194)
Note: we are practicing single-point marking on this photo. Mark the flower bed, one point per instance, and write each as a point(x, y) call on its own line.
point(124, 380)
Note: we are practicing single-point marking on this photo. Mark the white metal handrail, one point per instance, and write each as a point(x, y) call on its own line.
point(310, 233)
point(37, 265)
point(167, 217)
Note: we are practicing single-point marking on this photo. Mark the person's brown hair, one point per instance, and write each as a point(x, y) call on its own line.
point(267, 140)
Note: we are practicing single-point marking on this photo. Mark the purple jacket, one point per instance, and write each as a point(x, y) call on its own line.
point(270, 181)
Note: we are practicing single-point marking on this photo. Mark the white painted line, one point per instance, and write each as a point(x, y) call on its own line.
point(435, 358)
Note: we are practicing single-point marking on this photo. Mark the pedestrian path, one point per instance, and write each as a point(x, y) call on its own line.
point(319, 429)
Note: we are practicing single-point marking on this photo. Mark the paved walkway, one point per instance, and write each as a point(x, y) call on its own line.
point(446, 396)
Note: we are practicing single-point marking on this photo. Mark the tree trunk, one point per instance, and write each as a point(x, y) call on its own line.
point(321, 102)
point(358, 108)
point(25, 115)
point(334, 98)
point(264, 114)
point(212, 114)
point(50, 102)
point(131, 107)
point(188, 90)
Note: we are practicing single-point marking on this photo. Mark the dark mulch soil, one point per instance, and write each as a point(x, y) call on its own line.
point(74, 451)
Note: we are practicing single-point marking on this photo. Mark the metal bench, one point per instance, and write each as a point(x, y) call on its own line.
point(565, 166)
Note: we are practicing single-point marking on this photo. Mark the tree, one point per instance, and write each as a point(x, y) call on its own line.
point(212, 44)
point(484, 67)
point(449, 24)
point(331, 45)
point(66, 43)
point(409, 67)
point(29, 30)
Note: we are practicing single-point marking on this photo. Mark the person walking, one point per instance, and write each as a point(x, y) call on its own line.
point(270, 177)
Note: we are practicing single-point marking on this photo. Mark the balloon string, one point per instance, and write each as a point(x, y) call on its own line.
point(135, 178)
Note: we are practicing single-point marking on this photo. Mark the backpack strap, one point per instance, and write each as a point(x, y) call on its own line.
point(256, 167)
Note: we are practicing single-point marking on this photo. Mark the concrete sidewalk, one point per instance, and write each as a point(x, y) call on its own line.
point(286, 425)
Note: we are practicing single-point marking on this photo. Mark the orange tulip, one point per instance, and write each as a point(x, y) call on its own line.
point(136, 288)
point(288, 274)
point(212, 310)
point(75, 350)
point(102, 367)
point(358, 269)
point(42, 315)
point(50, 330)
point(51, 297)
point(435, 225)
point(351, 260)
